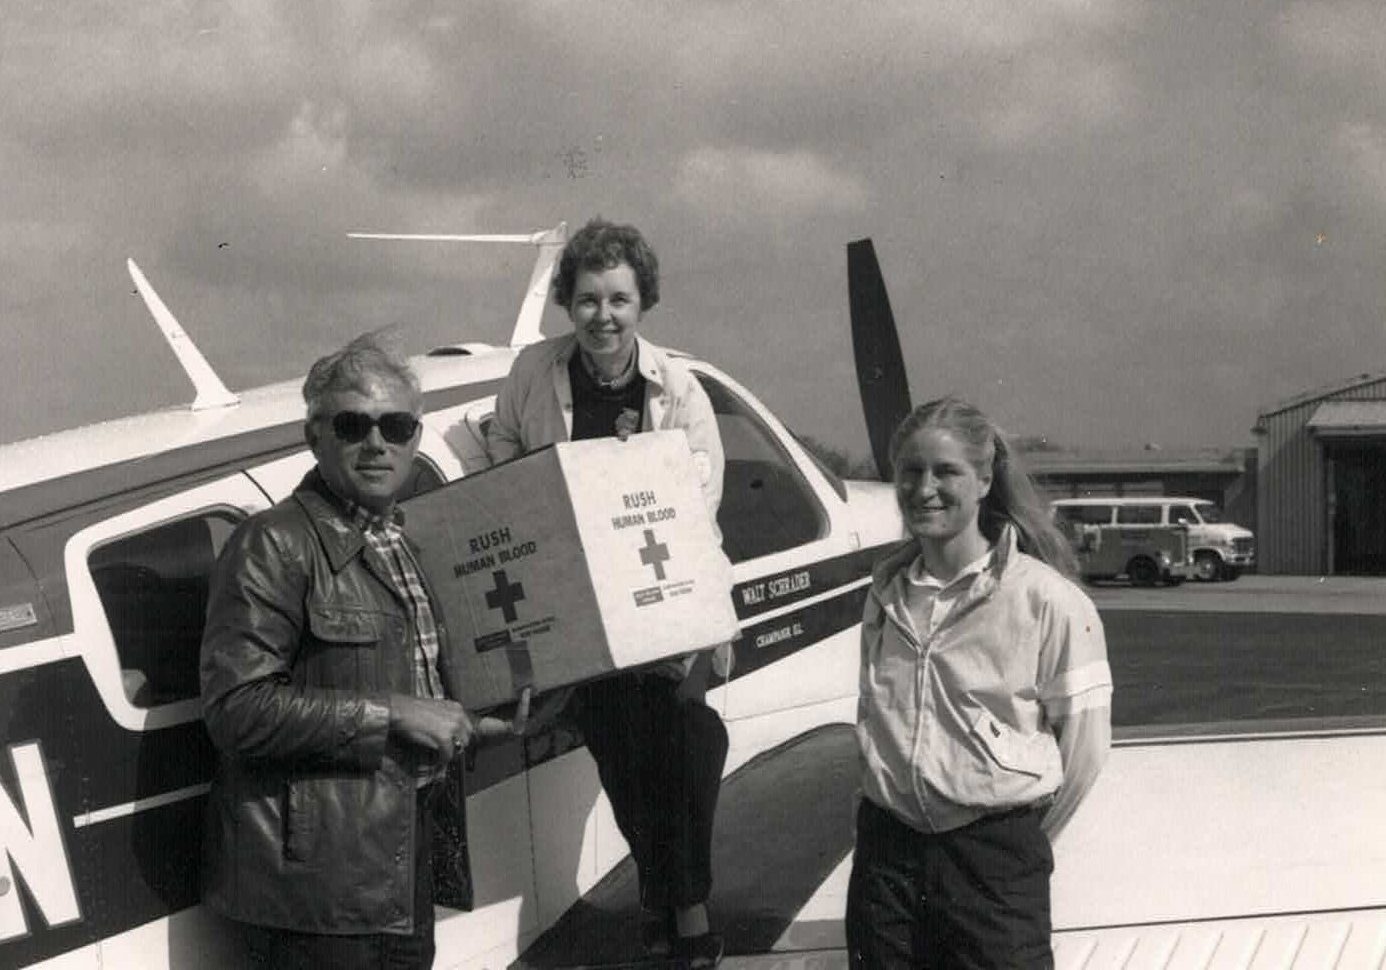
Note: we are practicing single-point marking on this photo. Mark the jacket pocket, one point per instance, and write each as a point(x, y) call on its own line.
point(1007, 747)
point(343, 650)
point(337, 624)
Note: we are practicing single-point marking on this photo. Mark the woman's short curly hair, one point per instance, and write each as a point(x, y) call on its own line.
point(601, 245)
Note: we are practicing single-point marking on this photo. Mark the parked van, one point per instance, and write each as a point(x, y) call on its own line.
point(1146, 556)
point(1220, 550)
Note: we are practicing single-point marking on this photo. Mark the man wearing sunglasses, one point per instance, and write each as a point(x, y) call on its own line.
point(326, 689)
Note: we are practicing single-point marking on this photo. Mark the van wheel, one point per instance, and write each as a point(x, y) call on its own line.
point(1142, 571)
point(1207, 567)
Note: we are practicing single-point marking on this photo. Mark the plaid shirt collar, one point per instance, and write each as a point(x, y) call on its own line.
point(389, 523)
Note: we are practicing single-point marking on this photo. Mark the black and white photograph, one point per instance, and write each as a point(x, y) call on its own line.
point(535, 485)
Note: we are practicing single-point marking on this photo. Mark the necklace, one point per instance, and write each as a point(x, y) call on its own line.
point(612, 383)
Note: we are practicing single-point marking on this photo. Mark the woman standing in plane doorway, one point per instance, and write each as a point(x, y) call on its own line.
point(659, 748)
point(985, 709)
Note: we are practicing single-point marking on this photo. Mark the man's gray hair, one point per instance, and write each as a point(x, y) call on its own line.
point(353, 367)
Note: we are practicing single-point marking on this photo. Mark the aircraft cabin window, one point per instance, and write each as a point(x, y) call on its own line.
point(834, 479)
point(767, 506)
point(153, 586)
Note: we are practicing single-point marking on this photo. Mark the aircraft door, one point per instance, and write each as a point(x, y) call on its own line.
point(798, 580)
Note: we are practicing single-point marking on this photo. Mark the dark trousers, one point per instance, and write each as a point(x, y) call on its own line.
point(660, 760)
point(281, 949)
point(972, 898)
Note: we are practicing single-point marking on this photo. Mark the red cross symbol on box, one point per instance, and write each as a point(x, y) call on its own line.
point(654, 554)
point(505, 596)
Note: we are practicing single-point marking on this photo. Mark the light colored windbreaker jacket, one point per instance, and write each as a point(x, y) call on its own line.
point(962, 724)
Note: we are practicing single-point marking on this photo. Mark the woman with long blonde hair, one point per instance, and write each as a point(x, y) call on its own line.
point(985, 708)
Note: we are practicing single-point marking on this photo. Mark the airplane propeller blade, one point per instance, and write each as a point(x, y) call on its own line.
point(885, 390)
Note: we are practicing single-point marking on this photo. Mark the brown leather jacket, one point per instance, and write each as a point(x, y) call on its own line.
point(311, 817)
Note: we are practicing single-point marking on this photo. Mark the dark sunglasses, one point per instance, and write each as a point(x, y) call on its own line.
point(353, 427)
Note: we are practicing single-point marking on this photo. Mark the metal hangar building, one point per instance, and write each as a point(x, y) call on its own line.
point(1321, 481)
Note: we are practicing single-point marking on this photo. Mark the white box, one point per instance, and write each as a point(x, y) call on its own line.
point(573, 561)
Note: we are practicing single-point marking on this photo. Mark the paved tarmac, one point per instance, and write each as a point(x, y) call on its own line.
point(1251, 593)
point(1262, 647)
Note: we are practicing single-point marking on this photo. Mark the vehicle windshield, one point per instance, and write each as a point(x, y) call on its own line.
point(1208, 512)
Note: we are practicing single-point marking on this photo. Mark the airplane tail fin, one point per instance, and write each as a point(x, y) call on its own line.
point(550, 242)
point(885, 390)
point(531, 315)
point(211, 392)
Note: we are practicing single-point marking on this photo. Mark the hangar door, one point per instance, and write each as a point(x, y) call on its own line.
point(1357, 480)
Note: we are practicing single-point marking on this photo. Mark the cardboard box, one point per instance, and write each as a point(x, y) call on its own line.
point(574, 561)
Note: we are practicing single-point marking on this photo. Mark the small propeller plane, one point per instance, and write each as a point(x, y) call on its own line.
point(107, 537)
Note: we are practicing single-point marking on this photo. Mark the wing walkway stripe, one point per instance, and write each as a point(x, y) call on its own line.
point(139, 805)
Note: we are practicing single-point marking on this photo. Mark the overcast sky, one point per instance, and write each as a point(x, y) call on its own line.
point(1107, 222)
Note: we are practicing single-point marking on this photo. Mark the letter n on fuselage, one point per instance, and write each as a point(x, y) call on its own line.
point(35, 849)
